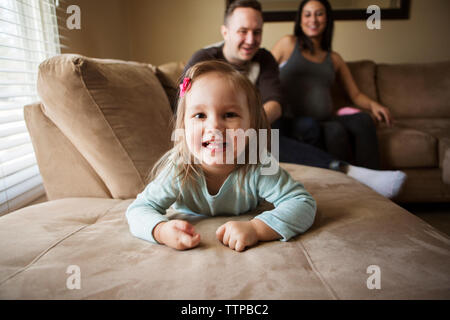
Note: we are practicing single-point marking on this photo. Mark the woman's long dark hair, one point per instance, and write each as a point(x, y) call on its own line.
point(327, 37)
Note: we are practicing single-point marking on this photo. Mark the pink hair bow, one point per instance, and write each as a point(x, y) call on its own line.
point(185, 86)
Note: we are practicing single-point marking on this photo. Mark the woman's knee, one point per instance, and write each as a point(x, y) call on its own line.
point(307, 130)
point(334, 129)
point(307, 123)
point(364, 120)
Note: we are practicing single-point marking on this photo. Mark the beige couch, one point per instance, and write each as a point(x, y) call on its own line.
point(418, 97)
point(99, 128)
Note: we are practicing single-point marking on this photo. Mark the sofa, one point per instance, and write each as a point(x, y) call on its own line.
point(418, 98)
point(100, 126)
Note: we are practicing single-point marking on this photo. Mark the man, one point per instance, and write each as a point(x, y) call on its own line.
point(242, 33)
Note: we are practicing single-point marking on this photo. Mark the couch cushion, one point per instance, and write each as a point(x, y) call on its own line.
point(364, 75)
point(406, 148)
point(438, 128)
point(424, 185)
point(415, 90)
point(169, 75)
point(114, 112)
point(354, 229)
point(173, 70)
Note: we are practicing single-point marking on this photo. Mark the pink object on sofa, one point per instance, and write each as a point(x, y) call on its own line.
point(347, 111)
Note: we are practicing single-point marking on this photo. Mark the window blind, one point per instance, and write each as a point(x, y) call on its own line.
point(28, 36)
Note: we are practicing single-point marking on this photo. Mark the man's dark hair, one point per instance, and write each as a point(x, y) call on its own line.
point(327, 37)
point(234, 4)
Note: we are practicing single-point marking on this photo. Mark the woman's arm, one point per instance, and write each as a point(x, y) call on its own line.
point(273, 110)
point(283, 48)
point(380, 112)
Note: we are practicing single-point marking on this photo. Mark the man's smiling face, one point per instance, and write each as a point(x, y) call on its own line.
point(242, 34)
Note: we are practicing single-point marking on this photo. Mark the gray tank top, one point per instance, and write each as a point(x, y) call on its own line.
point(306, 86)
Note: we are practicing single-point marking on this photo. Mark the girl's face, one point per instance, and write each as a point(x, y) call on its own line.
point(314, 19)
point(213, 106)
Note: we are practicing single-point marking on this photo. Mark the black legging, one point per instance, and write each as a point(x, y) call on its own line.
point(351, 138)
point(294, 151)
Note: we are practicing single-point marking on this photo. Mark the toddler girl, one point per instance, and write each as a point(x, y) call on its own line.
point(209, 173)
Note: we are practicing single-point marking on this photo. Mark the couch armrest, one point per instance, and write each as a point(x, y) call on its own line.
point(59, 161)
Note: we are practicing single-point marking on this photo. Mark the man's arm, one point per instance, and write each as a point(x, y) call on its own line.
point(273, 110)
point(269, 86)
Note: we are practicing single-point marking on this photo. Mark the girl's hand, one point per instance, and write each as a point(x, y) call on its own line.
point(381, 113)
point(237, 234)
point(177, 234)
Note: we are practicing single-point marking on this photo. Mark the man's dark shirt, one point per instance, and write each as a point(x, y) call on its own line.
point(268, 81)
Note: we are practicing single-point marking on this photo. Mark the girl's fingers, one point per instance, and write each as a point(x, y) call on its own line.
point(195, 240)
point(239, 246)
point(184, 226)
point(187, 241)
point(220, 232)
point(226, 236)
point(232, 243)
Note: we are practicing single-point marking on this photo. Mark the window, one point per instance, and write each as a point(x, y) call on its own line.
point(28, 35)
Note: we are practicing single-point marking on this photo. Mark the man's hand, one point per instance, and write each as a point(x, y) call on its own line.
point(273, 110)
point(237, 234)
point(177, 234)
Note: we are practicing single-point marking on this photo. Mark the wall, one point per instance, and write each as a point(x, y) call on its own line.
point(171, 30)
point(419, 39)
point(104, 29)
point(159, 31)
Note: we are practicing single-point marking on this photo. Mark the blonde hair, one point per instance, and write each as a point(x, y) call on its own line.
point(179, 157)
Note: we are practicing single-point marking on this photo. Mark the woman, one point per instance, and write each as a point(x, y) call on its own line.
point(308, 68)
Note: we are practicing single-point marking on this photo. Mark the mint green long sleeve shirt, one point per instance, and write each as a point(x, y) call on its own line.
point(293, 214)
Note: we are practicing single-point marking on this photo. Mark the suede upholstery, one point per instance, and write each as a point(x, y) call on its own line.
point(102, 106)
point(71, 165)
point(354, 229)
point(100, 127)
point(415, 90)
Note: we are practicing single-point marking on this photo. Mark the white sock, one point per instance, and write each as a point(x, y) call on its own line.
point(385, 182)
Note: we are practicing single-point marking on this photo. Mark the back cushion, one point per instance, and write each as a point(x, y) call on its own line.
point(363, 73)
point(415, 90)
point(169, 75)
point(115, 113)
point(173, 70)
